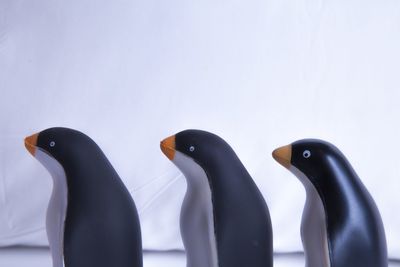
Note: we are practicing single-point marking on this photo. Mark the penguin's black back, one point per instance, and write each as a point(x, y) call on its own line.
point(355, 229)
point(102, 226)
point(354, 223)
point(242, 222)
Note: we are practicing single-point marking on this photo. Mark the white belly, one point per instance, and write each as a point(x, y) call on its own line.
point(57, 208)
point(197, 220)
point(313, 226)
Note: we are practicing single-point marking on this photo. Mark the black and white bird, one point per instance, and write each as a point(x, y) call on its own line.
point(92, 220)
point(341, 224)
point(225, 221)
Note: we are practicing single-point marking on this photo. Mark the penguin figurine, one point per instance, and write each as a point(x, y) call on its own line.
point(224, 219)
point(341, 225)
point(91, 219)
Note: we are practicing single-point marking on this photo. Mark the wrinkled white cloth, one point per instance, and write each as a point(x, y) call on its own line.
point(261, 74)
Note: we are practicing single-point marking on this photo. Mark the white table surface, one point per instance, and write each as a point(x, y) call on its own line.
point(40, 257)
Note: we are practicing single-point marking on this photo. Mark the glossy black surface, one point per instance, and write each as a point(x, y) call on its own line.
point(355, 230)
point(102, 225)
point(241, 218)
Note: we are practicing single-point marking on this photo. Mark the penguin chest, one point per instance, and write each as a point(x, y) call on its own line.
point(57, 208)
point(197, 219)
point(313, 226)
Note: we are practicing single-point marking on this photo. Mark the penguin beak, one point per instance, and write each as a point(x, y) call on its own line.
point(30, 143)
point(283, 155)
point(168, 147)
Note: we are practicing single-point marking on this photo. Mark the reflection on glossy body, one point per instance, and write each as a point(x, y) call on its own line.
point(353, 225)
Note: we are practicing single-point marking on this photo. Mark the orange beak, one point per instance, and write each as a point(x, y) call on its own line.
point(168, 147)
point(283, 155)
point(30, 143)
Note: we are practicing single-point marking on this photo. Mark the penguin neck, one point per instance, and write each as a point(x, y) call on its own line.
point(226, 172)
point(57, 208)
point(344, 176)
point(220, 165)
point(90, 171)
point(197, 215)
point(340, 179)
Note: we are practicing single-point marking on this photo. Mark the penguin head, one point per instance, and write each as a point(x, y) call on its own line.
point(309, 156)
point(203, 147)
point(61, 144)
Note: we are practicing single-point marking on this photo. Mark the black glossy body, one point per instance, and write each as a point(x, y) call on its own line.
point(102, 226)
point(356, 236)
point(241, 218)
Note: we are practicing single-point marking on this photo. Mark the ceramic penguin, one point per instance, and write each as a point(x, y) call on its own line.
point(225, 221)
point(341, 225)
point(91, 218)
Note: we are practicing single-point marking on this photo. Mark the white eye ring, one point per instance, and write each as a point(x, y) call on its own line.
point(52, 144)
point(191, 148)
point(306, 154)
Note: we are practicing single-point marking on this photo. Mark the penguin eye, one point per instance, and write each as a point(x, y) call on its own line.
point(52, 144)
point(306, 154)
point(191, 148)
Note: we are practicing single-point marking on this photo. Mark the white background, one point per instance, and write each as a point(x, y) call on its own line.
point(260, 74)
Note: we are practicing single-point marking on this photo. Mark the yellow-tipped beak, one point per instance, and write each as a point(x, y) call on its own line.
point(30, 143)
point(283, 155)
point(168, 147)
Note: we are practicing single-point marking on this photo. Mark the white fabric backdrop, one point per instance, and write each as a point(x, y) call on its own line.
point(259, 73)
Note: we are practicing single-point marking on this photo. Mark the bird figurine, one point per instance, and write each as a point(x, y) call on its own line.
point(224, 219)
point(341, 225)
point(91, 219)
